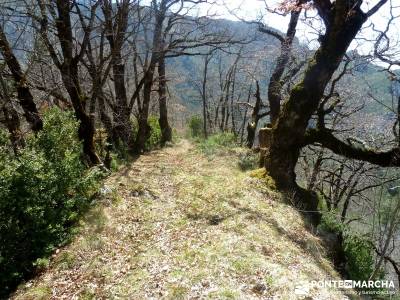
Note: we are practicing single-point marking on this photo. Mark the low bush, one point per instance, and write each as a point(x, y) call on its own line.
point(217, 143)
point(329, 221)
point(358, 250)
point(121, 153)
point(195, 126)
point(360, 257)
point(43, 191)
point(225, 139)
point(155, 134)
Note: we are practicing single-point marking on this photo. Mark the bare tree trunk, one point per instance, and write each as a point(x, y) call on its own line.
point(106, 119)
point(144, 129)
point(122, 122)
point(245, 115)
point(116, 28)
point(217, 111)
point(166, 131)
point(204, 94)
point(13, 124)
point(224, 100)
point(252, 125)
point(233, 122)
point(316, 169)
point(11, 119)
point(232, 95)
point(86, 130)
point(70, 76)
point(275, 86)
point(23, 92)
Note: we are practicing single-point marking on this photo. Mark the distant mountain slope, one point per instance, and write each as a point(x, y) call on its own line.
point(366, 78)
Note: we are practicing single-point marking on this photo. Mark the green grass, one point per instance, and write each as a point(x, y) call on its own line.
point(202, 228)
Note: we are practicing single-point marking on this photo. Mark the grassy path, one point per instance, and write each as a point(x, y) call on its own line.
point(179, 225)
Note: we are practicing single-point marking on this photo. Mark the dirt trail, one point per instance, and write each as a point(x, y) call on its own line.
point(176, 224)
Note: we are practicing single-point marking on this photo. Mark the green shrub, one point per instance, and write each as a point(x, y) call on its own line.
point(155, 134)
point(120, 150)
point(329, 222)
point(360, 257)
point(4, 141)
point(225, 139)
point(196, 126)
point(358, 251)
point(217, 143)
point(42, 193)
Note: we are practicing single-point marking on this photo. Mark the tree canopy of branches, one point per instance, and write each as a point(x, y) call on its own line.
point(292, 132)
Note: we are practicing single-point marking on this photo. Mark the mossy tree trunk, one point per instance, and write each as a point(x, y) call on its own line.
point(288, 137)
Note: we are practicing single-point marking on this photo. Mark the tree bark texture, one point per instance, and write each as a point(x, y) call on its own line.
point(23, 92)
point(289, 132)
